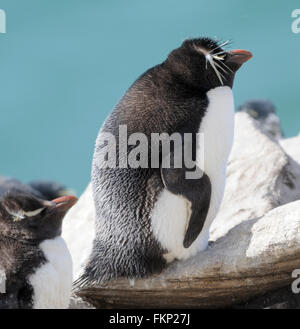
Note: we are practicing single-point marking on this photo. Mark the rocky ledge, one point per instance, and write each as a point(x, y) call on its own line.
point(255, 239)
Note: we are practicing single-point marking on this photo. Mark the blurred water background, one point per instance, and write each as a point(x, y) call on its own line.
point(65, 64)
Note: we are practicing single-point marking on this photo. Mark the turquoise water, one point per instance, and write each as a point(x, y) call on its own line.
point(65, 64)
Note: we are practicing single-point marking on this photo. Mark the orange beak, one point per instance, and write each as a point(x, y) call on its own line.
point(64, 203)
point(239, 56)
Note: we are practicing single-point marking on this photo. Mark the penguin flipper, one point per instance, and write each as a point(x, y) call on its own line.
point(196, 190)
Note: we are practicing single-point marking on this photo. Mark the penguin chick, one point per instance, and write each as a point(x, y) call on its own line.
point(34, 258)
point(264, 112)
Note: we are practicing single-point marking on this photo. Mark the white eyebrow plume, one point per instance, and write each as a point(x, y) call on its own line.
point(210, 57)
point(34, 212)
point(222, 45)
point(19, 215)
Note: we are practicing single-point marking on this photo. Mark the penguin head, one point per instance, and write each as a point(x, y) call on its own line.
point(27, 218)
point(204, 64)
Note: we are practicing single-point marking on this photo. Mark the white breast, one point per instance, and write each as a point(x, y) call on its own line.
point(52, 282)
point(171, 213)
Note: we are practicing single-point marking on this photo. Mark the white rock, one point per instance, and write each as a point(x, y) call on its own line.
point(255, 257)
point(292, 147)
point(76, 303)
point(260, 177)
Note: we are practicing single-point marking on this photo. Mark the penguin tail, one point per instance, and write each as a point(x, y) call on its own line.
point(82, 282)
point(89, 278)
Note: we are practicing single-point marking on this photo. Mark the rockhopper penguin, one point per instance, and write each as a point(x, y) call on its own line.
point(34, 258)
point(146, 217)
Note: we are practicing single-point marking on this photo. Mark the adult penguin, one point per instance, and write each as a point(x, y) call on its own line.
point(147, 216)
